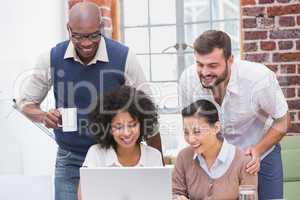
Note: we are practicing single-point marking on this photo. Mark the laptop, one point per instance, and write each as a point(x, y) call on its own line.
point(126, 183)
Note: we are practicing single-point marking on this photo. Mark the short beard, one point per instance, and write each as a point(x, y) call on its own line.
point(219, 80)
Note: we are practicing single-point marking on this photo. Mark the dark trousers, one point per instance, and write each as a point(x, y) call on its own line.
point(270, 176)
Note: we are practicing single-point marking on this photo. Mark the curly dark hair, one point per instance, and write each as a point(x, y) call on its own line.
point(122, 99)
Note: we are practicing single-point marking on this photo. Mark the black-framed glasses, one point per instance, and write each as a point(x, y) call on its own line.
point(80, 37)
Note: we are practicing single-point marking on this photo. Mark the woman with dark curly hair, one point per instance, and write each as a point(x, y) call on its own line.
point(122, 119)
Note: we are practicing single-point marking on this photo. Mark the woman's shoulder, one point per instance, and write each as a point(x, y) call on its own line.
point(186, 152)
point(241, 157)
point(95, 156)
point(185, 156)
point(241, 162)
point(152, 156)
point(185, 159)
point(98, 150)
point(95, 148)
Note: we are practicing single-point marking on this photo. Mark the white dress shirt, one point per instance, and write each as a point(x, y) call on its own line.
point(222, 162)
point(100, 157)
point(41, 81)
point(253, 99)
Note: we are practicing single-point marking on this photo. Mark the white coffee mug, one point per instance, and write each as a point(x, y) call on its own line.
point(69, 119)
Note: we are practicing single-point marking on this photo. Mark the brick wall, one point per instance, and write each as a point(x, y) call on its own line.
point(271, 35)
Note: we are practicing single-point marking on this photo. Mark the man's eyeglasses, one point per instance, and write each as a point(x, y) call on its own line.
point(80, 37)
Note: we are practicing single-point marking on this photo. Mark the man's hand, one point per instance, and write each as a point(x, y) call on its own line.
point(52, 118)
point(254, 165)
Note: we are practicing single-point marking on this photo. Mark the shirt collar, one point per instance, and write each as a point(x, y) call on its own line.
point(111, 159)
point(222, 156)
point(101, 54)
point(233, 85)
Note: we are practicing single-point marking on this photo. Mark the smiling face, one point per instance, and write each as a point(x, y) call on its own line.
point(213, 68)
point(84, 29)
point(85, 38)
point(199, 134)
point(125, 130)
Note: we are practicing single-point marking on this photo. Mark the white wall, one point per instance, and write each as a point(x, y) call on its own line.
point(26, 187)
point(28, 28)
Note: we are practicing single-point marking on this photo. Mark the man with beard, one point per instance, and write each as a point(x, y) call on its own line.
point(81, 68)
point(251, 106)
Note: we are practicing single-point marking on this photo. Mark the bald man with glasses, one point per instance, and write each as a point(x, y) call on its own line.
point(79, 70)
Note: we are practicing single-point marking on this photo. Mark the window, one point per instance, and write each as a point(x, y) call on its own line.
point(161, 33)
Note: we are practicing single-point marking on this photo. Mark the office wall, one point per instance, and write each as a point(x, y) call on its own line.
point(28, 28)
point(271, 35)
point(26, 187)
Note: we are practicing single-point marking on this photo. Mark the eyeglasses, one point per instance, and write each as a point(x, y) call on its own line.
point(196, 132)
point(80, 37)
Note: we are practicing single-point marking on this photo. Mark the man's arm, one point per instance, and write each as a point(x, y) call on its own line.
point(37, 84)
point(275, 133)
point(34, 112)
point(155, 142)
point(50, 119)
point(268, 98)
point(273, 136)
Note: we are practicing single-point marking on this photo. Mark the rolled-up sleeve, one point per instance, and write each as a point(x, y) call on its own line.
point(37, 83)
point(134, 75)
point(269, 97)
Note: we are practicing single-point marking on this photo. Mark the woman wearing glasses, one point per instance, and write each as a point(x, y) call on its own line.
point(210, 168)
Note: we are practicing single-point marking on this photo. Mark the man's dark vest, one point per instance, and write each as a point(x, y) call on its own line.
point(78, 85)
